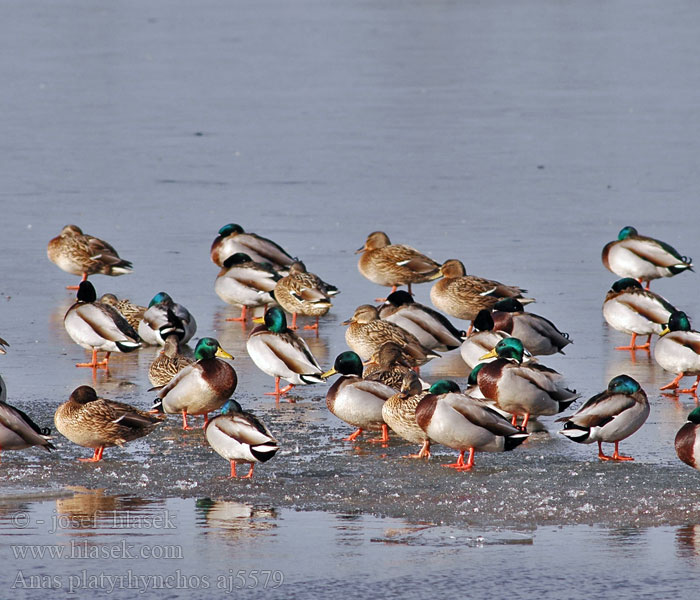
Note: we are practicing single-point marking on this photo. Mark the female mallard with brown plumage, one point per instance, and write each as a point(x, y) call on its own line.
point(133, 313)
point(304, 293)
point(643, 258)
point(610, 416)
point(246, 283)
point(232, 238)
point(201, 387)
point(539, 335)
point(463, 296)
point(393, 265)
point(98, 327)
point(678, 351)
point(389, 365)
point(82, 254)
point(527, 389)
point(366, 333)
point(465, 424)
point(240, 437)
point(99, 423)
point(169, 362)
point(399, 413)
point(635, 311)
point(355, 400)
point(431, 328)
point(281, 353)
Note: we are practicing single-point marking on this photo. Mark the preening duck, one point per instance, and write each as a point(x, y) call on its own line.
point(232, 238)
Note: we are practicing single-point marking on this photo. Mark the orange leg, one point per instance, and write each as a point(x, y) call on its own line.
point(632, 346)
point(279, 392)
point(460, 465)
point(184, 421)
point(674, 384)
point(93, 364)
point(250, 473)
point(242, 317)
point(97, 455)
point(424, 452)
point(353, 436)
point(385, 435)
point(617, 456)
point(693, 389)
point(206, 420)
point(233, 469)
point(471, 328)
point(77, 287)
point(293, 326)
point(314, 326)
point(526, 419)
point(393, 289)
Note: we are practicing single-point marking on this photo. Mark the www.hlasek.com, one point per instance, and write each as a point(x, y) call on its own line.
point(84, 549)
point(84, 580)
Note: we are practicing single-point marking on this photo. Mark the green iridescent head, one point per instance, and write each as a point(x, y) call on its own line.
point(623, 384)
point(444, 386)
point(472, 379)
point(348, 363)
point(626, 232)
point(161, 298)
point(509, 305)
point(694, 416)
point(209, 348)
point(510, 348)
point(625, 283)
point(678, 321)
point(276, 320)
point(229, 229)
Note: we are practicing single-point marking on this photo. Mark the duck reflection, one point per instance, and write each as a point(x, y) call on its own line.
point(228, 518)
point(688, 542)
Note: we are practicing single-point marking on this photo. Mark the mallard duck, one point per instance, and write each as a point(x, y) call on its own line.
point(632, 310)
point(279, 352)
point(245, 283)
point(232, 239)
point(98, 327)
point(481, 340)
point(3, 345)
point(159, 313)
point(687, 440)
point(465, 424)
point(643, 258)
point(678, 351)
point(304, 293)
point(355, 400)
point(239, 436)
point(133, 313)
point(81, 254)
point(528, 389)
point(17, 430)
point(367, 333)
point(389, 365)
point(199, 388)
point(462, 296)
point(169, 362)
point(99, 423)
point(539, 335)
point(610, 416)
point(393, 265)
point(399, 413)
point(431, 328)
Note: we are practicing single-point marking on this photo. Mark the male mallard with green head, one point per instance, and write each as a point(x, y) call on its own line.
point(611, 416)
point(199, 388)
point(232, 238)
point(678, 351)
point(527, 389)
point(687, 441)
point(643, 258)
point(278, 351)
point(635, 311)
point(355, 400)
point(246, 283)
point(98, 327)
point(240, 437)
point(465, 424)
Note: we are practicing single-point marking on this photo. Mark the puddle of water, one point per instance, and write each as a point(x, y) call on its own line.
point(89, 541)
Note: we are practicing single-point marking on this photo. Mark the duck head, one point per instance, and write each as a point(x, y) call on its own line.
point(86, 292)
point(623, 384)
point(626, 232)
point(346, 363)
point(444, 386)
point(510, 348)
point(509, 305)
point(83, 394)
point(209, 348)
point(231, 228)
point(375, 240)
point(161, 298)
point(678, 321)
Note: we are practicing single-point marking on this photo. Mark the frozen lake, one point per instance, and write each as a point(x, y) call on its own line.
point(518, 137)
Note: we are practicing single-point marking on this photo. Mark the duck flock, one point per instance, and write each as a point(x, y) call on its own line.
point(379, 388)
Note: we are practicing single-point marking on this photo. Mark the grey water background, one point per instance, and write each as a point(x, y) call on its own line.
point(518, 137)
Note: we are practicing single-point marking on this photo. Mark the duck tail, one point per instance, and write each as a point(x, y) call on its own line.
point(513, 441)
point(576, 433)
